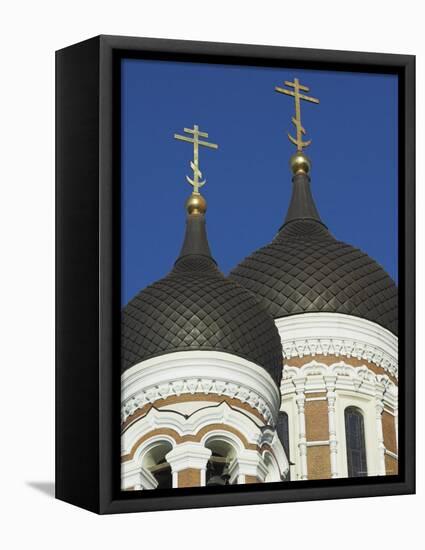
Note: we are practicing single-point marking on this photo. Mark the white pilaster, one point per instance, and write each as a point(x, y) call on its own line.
point(248, 463)
point(330, 382)
point(379, 408)
point(188, 455)
point(136, 477)
point(302, 441)
point(396, 426)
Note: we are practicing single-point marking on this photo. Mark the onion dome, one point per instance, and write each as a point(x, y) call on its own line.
point(306, 269)
point(195, 307)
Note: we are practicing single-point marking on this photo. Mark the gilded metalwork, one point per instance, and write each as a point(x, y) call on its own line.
point(297, 88)
point(196, 204)
point(197, 181)
point(300, 163)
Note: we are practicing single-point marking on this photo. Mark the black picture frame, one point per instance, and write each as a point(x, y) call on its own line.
point(87, 273)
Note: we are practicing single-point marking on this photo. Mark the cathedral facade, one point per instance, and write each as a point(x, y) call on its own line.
point(285, 370)
point(336, 312)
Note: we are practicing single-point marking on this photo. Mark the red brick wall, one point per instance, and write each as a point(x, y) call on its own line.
point(191, 477)
point(318, 462)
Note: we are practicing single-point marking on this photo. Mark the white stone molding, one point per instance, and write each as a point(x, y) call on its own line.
point(274, 472)
point(344, 385)
point(168, 419)
point(147, 480)
point(135, 476)
point(279, 461)
point(396, 426)
point(222, 434)
point(268, 435)
point(188, 455)
point(391, 454)
point(133, 472)
point(358, 379)
point(379, 408)
point(330, 382)
point(340, 335)
point(366, 405)
point(182, 373)
point(302, 441)
point(307, 399)
point(248, 463)
point(170, 427)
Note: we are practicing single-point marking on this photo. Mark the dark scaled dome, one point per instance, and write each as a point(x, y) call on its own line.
point(196, 308)
point(305, 269)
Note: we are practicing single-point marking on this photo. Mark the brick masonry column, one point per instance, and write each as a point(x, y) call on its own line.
point(252, 479)
point(188, 463)
point(317, 435)
point(191, 477)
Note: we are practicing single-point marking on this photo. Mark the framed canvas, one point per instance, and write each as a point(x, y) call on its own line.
point(235, 274)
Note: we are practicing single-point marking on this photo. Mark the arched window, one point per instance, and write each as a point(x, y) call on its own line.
point(355, 442)
point(154, 461)
point(273, 472)
point(222, 455)
point(282, 430)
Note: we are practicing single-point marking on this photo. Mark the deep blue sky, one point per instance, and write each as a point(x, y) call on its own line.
point(354, 156)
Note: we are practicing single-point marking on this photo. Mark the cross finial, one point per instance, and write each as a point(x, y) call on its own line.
point(197, 181)
point(297, 88)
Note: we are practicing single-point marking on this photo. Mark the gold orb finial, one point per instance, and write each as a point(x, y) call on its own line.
point(300, 163)
point(196, 204)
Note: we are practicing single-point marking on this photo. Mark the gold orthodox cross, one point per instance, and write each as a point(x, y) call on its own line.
point(298, 141)
point(197, 181)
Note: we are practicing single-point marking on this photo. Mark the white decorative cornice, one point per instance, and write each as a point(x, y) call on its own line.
point(168, 419)
point(248, 463)
point(188, 455)
point(340, 335)
point(211, 423)
point(199, 372)
point(324, 443)
point(318, 377)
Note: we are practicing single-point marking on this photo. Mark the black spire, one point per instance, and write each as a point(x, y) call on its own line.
point(302, 205)
point(195, 240)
